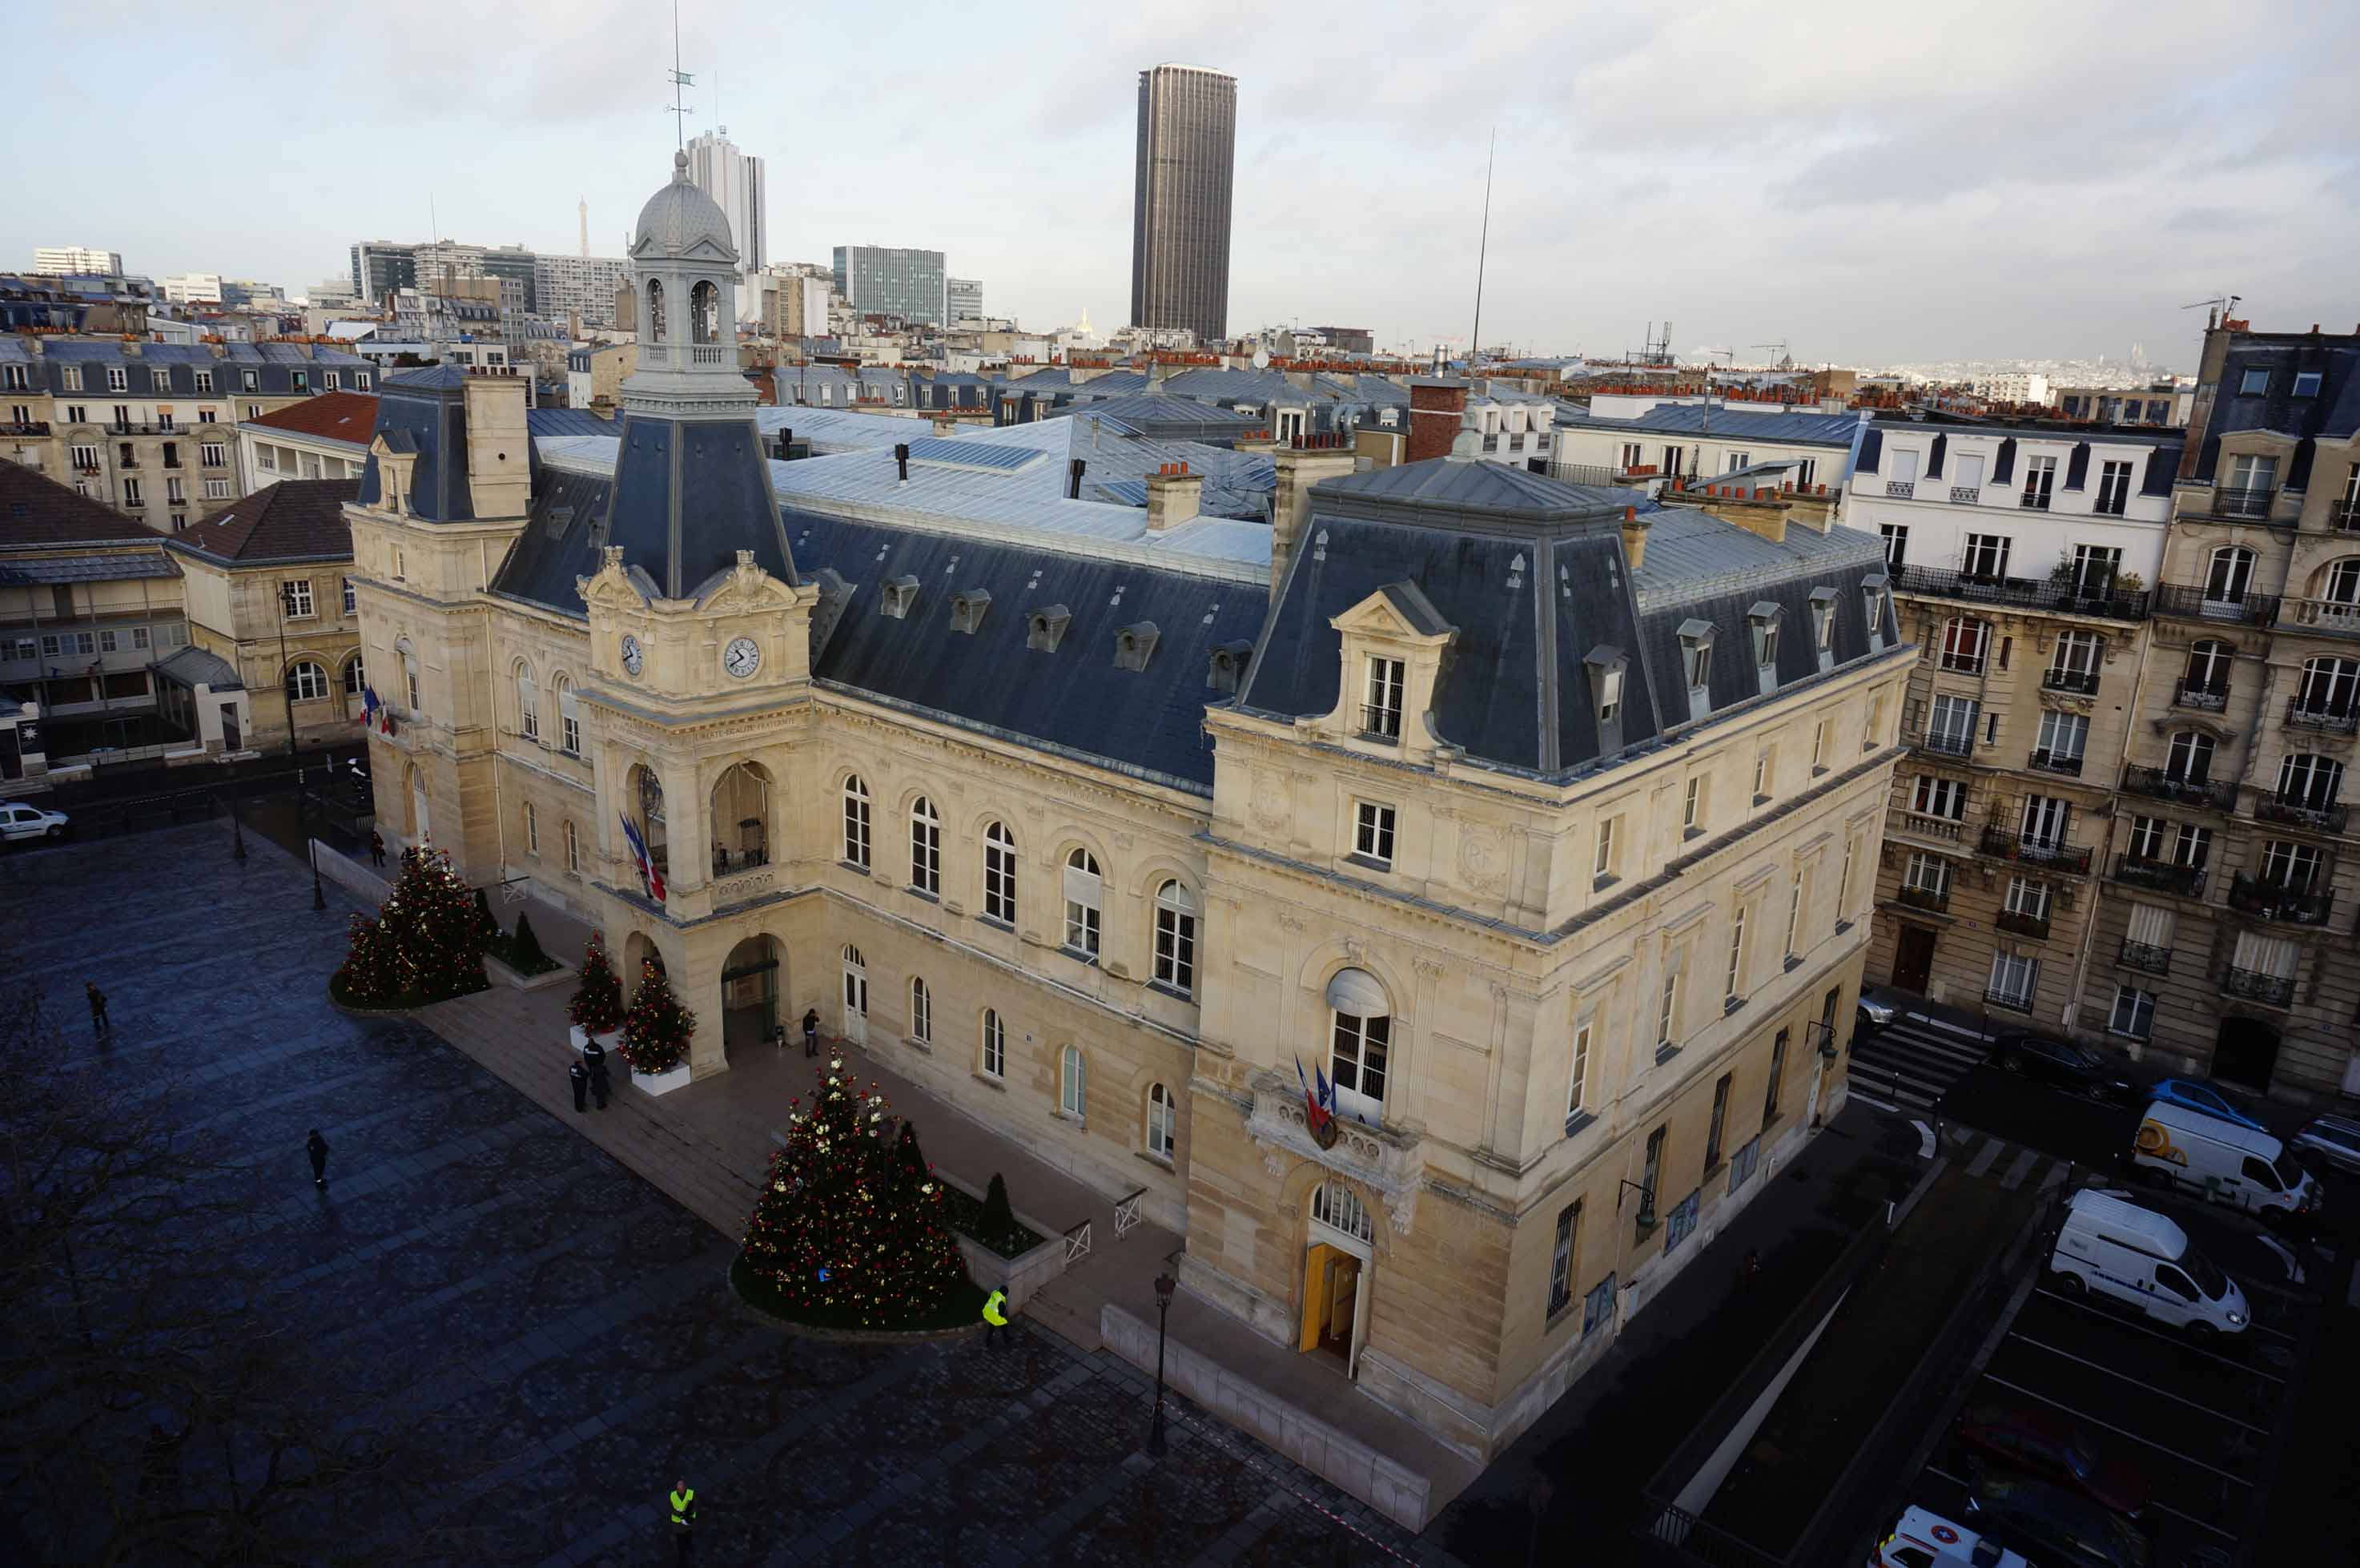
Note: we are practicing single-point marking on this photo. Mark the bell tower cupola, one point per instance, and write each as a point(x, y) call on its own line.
point(687, 277)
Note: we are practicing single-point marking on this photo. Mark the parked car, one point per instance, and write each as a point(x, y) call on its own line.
point(1921, 1538)
point(2062, 1064)
point(20, 821)
point(2027, 1437)
point(2329, 1141)
point(1878, 1008)
point(2225, 1163)
point(2063, 1527)
point(2138, 1258)
point(2205, 1098)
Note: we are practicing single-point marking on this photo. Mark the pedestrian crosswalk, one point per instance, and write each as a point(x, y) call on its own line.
point(1912, 1061)
point(2010, 1165)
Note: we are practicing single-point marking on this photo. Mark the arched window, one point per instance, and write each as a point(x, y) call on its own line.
point(1084, 888)
point(999, 874)
point(1175, 937)
point(2343, 584)
point(569, 718)
point(1163, 1120)
point(1361, 1044)
point(2206, 682)
point(645, 789)
point(1964, 641)
point(925, 848)
point(572, 849)
point(356, 677)
point(409, 673)
point(2310, 783)
point(856, 821)
point(704, 312)
point(739, 820)
point(995, 1045)
point(655, 310)
point(527, 700)
point(2227, 575)
point(922, 1012)
point(1338, 1207)
point(1073, 1096)
point(306, 682)
point(2329, 688)
point(2190, 758)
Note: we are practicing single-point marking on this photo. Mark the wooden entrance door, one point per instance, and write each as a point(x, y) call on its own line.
point(1913, 958)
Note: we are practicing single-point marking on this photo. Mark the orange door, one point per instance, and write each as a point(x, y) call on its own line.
point(1317, 1282)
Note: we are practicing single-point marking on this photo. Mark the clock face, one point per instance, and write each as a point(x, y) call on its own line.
point(632, 657)
point(741, 658)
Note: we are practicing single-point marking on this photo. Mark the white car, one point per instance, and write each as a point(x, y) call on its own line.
point(18, 821)
point(2332, 1141)
point(1921, 1538)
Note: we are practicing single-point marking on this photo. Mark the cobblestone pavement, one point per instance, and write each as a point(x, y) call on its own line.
point(568, 1328)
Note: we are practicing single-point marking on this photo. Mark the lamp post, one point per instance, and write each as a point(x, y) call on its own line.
point(1164, 1286)
point(310, 845)
point(237, 831)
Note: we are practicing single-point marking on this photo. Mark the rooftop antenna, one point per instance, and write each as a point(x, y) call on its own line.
point(679, 111)
point(1482, 250)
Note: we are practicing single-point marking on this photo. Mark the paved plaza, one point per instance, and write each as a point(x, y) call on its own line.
point(567, 1326)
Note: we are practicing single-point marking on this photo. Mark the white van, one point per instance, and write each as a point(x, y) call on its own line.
point(2227, 1163)
point(2138, 1257)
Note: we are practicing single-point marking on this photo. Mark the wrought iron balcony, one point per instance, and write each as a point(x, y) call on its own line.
point(2022, 593)
point(2277, 901)
point(2033, 501)
point(2203, 699)
point(2297, 814)
point(1937, 900)
point(2008, 1000)
point(1966, 495)
point(2147, 958)
point(2273, 990)
point(1380, 723)
point(2046, 760)
point(2159, 876)
point(24, 427)
point(2157, 784)
point(2246, 504)
point(2022, 924)
point(2006, 844)
point(1922, 826)
point(1942, 743)
point(2337, 718)
point(2084, 681)
point(1901, 489)
point(2195, 601)
point(2332, 617)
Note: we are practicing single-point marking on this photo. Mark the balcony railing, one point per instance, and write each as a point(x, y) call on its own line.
point(2046, 760)
point(2033, 501)
point(2233, 502)
point(2334, 617)
point(2084, 681)
point(1378, 722)
point(2159, 876)
point(2008, 1000)
point(1943, 743)
point(2203, 699)
point(2006, 844)
point(2147, 958)
point(1936, 900)
point(2276, 901)
point(1966, 495)
point(2275, 990)
point(2157, 784)
point(2022, 924)
point(2344, 517)
point(1901, 489)
point(2301, 814)
point(24, 427)
point(2334, 718)
point(1942, 828)
point(2197, 602)
point(2023, 593)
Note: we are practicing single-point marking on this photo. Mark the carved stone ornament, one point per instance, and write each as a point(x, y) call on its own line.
point(1482, 856)
point(1268, 801)
point(1388, 1161)
point(2067, 702)
point(1290, 922)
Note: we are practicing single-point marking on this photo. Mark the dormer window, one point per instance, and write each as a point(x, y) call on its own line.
point(897, 597)
point(1607, 667)
point(1381, 714)
point(1873, 590)
point(1823, 625)
point(967, 609)
point(1047, 627)
point(1134, 646)
point(1764, 619)
point(1226, 670)
point(1696, 654)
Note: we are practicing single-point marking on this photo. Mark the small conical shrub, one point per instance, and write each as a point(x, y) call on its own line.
point(999, 1219)
point(527, 946)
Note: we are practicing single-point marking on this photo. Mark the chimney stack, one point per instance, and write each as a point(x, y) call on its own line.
point(1634, 538)
point(1074, 479)
point(901, 459)
point(1172, 496)
point(1299, 468)
point(1435, 411)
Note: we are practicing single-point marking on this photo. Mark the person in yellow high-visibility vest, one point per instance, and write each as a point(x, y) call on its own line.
point(683, 1520)
point(994, 1322)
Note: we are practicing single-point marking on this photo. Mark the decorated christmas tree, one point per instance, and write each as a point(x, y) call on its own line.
point(597, 1004)
point(850, 1228)
point(657, 1029)
point(426, 944)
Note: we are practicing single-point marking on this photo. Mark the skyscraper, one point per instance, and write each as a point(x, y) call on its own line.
point(1180, 216)
point(735, 181)
point(893, 281)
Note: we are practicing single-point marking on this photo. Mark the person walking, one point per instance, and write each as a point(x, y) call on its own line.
point(683, 1522)
point(811, 1034)
point(994, 1322)
point(317, 1148)
point(594, 1056)
point(579, 1076)
point(376, 847)
point(600, 1085)
point(98, 1024)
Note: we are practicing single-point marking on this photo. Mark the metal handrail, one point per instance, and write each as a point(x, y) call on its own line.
point(2161, 876)
point(2146, 957)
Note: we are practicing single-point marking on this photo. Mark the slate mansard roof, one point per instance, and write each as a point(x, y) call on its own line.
point(295, 520)
point(425, 411)
point(2333, 410)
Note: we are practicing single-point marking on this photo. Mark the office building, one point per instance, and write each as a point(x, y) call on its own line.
point(583, 286)
point(70, 260)
point(739, 185)
point(381, 267)
point(1180, 212)
point(884, 280)
point(964, 297)
point(192, 288)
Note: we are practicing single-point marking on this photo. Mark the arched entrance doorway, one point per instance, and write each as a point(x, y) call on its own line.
point(1338, 1249)
point(749, 993)
point(2246, 1052)
point(639, 951)
point(856, 997)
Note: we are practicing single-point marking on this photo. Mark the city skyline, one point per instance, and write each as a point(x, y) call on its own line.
point(1920, 206)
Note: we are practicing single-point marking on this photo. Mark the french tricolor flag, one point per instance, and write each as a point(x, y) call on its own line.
point(650, 877)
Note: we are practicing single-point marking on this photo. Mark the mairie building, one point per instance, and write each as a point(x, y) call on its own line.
point(1541, 830)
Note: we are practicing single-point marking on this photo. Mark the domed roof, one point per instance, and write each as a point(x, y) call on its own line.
point(679, 216)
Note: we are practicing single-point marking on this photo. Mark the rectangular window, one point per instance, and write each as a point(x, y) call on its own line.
point(1819, 746)
point(1560, 1294)
point(2040, 479)
point(106, 642)
point(1576, 1094)
point(351, 603)
point(1668, 1012)
point(1381, 714)
point(1736, 983)
point(1692, 806)
point(73, 381)
point(1766, 770)
point(1373, 832)
point(1964, 644)
point(531, 829)
point(1928, 874)
point(2113, 489)
point(117, 378)
point(1699, 665)
point(1950, 725)
point(1944, 797)
point(213, 455)
point(1650, 1176)
point(1904, 465)
point(2273, 957)
point(2253, 383)
point(2306, 383)
point(140, 636)
point(1795, 913)
point(2062, 737)
point(1777, 1079)
point(1598, 1306)
point(297, 593)
point(204, 381)
point(1603, 861)
point(1967, 475)
point(176, 490)
point(216, 489)
point(2134, 1013)
point(131, 495)
point(1986, 557)
point(1896, 544)
point(2014, 979)
point(1720, 1123)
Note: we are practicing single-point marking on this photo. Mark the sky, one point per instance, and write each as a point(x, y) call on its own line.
point(1869, 185)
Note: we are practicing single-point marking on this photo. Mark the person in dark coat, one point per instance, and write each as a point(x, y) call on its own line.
point(600, 1085)
point(98, 1024)
point(317, 1148)
point(376, 847)
point(579, 1076)
point(810, 1033)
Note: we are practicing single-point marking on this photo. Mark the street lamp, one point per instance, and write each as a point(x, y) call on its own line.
point(310, 845)
point(1164, 1286)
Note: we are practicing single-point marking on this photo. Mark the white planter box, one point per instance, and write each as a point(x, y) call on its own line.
point(662, 1083)
point(608, 1040)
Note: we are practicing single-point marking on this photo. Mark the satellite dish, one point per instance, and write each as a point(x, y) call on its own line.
point(1262, 356)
